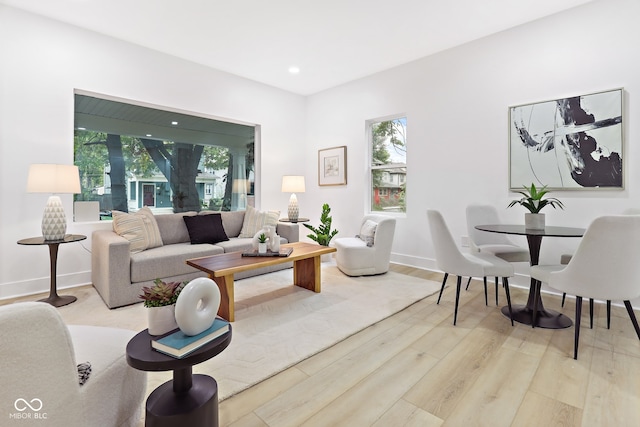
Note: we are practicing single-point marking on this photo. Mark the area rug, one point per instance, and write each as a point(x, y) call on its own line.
point(278, 325)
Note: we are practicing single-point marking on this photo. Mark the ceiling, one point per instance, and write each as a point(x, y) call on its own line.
point(331, 41)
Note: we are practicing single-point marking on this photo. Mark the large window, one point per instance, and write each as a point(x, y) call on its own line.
point(388, 165)
point(131, 156)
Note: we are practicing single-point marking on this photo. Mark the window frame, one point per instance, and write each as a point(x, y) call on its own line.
point(369, 165)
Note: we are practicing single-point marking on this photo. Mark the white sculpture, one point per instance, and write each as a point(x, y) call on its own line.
point(197, 306)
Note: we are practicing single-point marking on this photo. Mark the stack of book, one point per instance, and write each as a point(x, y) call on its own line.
point(177, 344)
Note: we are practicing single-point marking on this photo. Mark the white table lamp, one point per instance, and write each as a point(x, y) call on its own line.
point(293, 184)
point(56, 179)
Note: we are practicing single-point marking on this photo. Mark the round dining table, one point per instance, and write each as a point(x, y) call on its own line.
point(544, 318)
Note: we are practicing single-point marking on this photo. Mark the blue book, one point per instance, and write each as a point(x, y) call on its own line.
point(178, 344)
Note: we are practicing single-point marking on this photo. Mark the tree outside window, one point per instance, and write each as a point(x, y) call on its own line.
point(388, 165)
point(132, 156)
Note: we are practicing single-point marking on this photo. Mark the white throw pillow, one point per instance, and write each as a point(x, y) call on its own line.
point(140, 229)
point(255, 220)
point(368, 232)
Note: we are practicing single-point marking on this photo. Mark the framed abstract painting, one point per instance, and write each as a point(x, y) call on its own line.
point(568, 143)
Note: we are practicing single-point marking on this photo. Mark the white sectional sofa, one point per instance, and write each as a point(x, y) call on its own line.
point(118, 274)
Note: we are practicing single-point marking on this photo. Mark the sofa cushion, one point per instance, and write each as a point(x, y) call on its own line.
point(168, 260)
point(232, 222)
point(139, 228)
point(205, 229)
point(172, 227)
point(237, 244)
point(255, 220)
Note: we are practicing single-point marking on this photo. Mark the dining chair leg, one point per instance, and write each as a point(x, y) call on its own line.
point(442, 288)
point(591, 313)
point(577, 335)
point(608, 314)
point(564, 295)
point(468, 281)
point(536, 293)
point(496, 290)
point(632, 316)
point(486, 301)
point(505, 282)
point(455, 312)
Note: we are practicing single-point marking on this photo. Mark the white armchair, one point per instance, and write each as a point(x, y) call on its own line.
point(370, 253)
point(39, 373)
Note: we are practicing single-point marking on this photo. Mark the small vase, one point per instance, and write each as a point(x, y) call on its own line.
point(262, 248)
point(161, 319)
point(534, 221)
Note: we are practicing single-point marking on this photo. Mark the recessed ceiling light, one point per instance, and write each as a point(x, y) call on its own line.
point(82, 128)
point(149, 135)
point(294, 69)
point(174, 123)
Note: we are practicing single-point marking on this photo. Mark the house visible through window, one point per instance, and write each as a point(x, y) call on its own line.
point(388, 166)
point(131, 156)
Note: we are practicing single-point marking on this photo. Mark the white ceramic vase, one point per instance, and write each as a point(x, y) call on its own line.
point(161, 319)
point(534, 221)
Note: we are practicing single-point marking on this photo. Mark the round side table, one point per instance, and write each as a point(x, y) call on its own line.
point(54, 299)
point(187, 400)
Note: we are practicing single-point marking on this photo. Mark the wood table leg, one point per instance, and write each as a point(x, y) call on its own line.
point(227, 306)
point(306, 273)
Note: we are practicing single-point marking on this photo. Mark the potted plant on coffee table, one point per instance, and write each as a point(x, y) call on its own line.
point(534, 200)
point(262, 243)
point(160, 299)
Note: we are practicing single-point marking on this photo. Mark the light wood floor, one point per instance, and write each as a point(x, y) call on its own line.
point(417, 369)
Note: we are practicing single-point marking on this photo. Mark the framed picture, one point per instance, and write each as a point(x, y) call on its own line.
point(332, 166)
point(568, 143)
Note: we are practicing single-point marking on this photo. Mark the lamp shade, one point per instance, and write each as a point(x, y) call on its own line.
point(49, 178)
point(292, 184)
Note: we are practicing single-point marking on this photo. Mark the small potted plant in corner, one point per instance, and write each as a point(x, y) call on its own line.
point(533, 199)
point(323, 234)
point(262, 243)
point(161, 299)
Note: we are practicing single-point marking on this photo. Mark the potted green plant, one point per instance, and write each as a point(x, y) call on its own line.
point(262, 243)
point(534, 201)
point(161, 299)
point(323, 233)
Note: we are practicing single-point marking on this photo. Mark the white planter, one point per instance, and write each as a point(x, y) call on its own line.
point(262, 248)
point(534, 221)
point(161, 319)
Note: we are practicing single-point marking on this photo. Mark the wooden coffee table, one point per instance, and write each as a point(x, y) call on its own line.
point(221, 268)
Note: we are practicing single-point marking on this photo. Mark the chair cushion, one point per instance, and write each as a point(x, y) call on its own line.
point(368, 232)
point(205, 229)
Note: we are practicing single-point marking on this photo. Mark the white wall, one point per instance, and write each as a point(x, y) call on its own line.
point(42, 62)
point(456, 104)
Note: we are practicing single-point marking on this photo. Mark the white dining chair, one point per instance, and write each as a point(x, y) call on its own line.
point(565, 258)
point(605, 266)
point(451, 260)
point(491, 243)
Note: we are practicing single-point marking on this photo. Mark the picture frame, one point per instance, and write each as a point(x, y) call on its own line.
point(332, 166)
point(570, 143)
